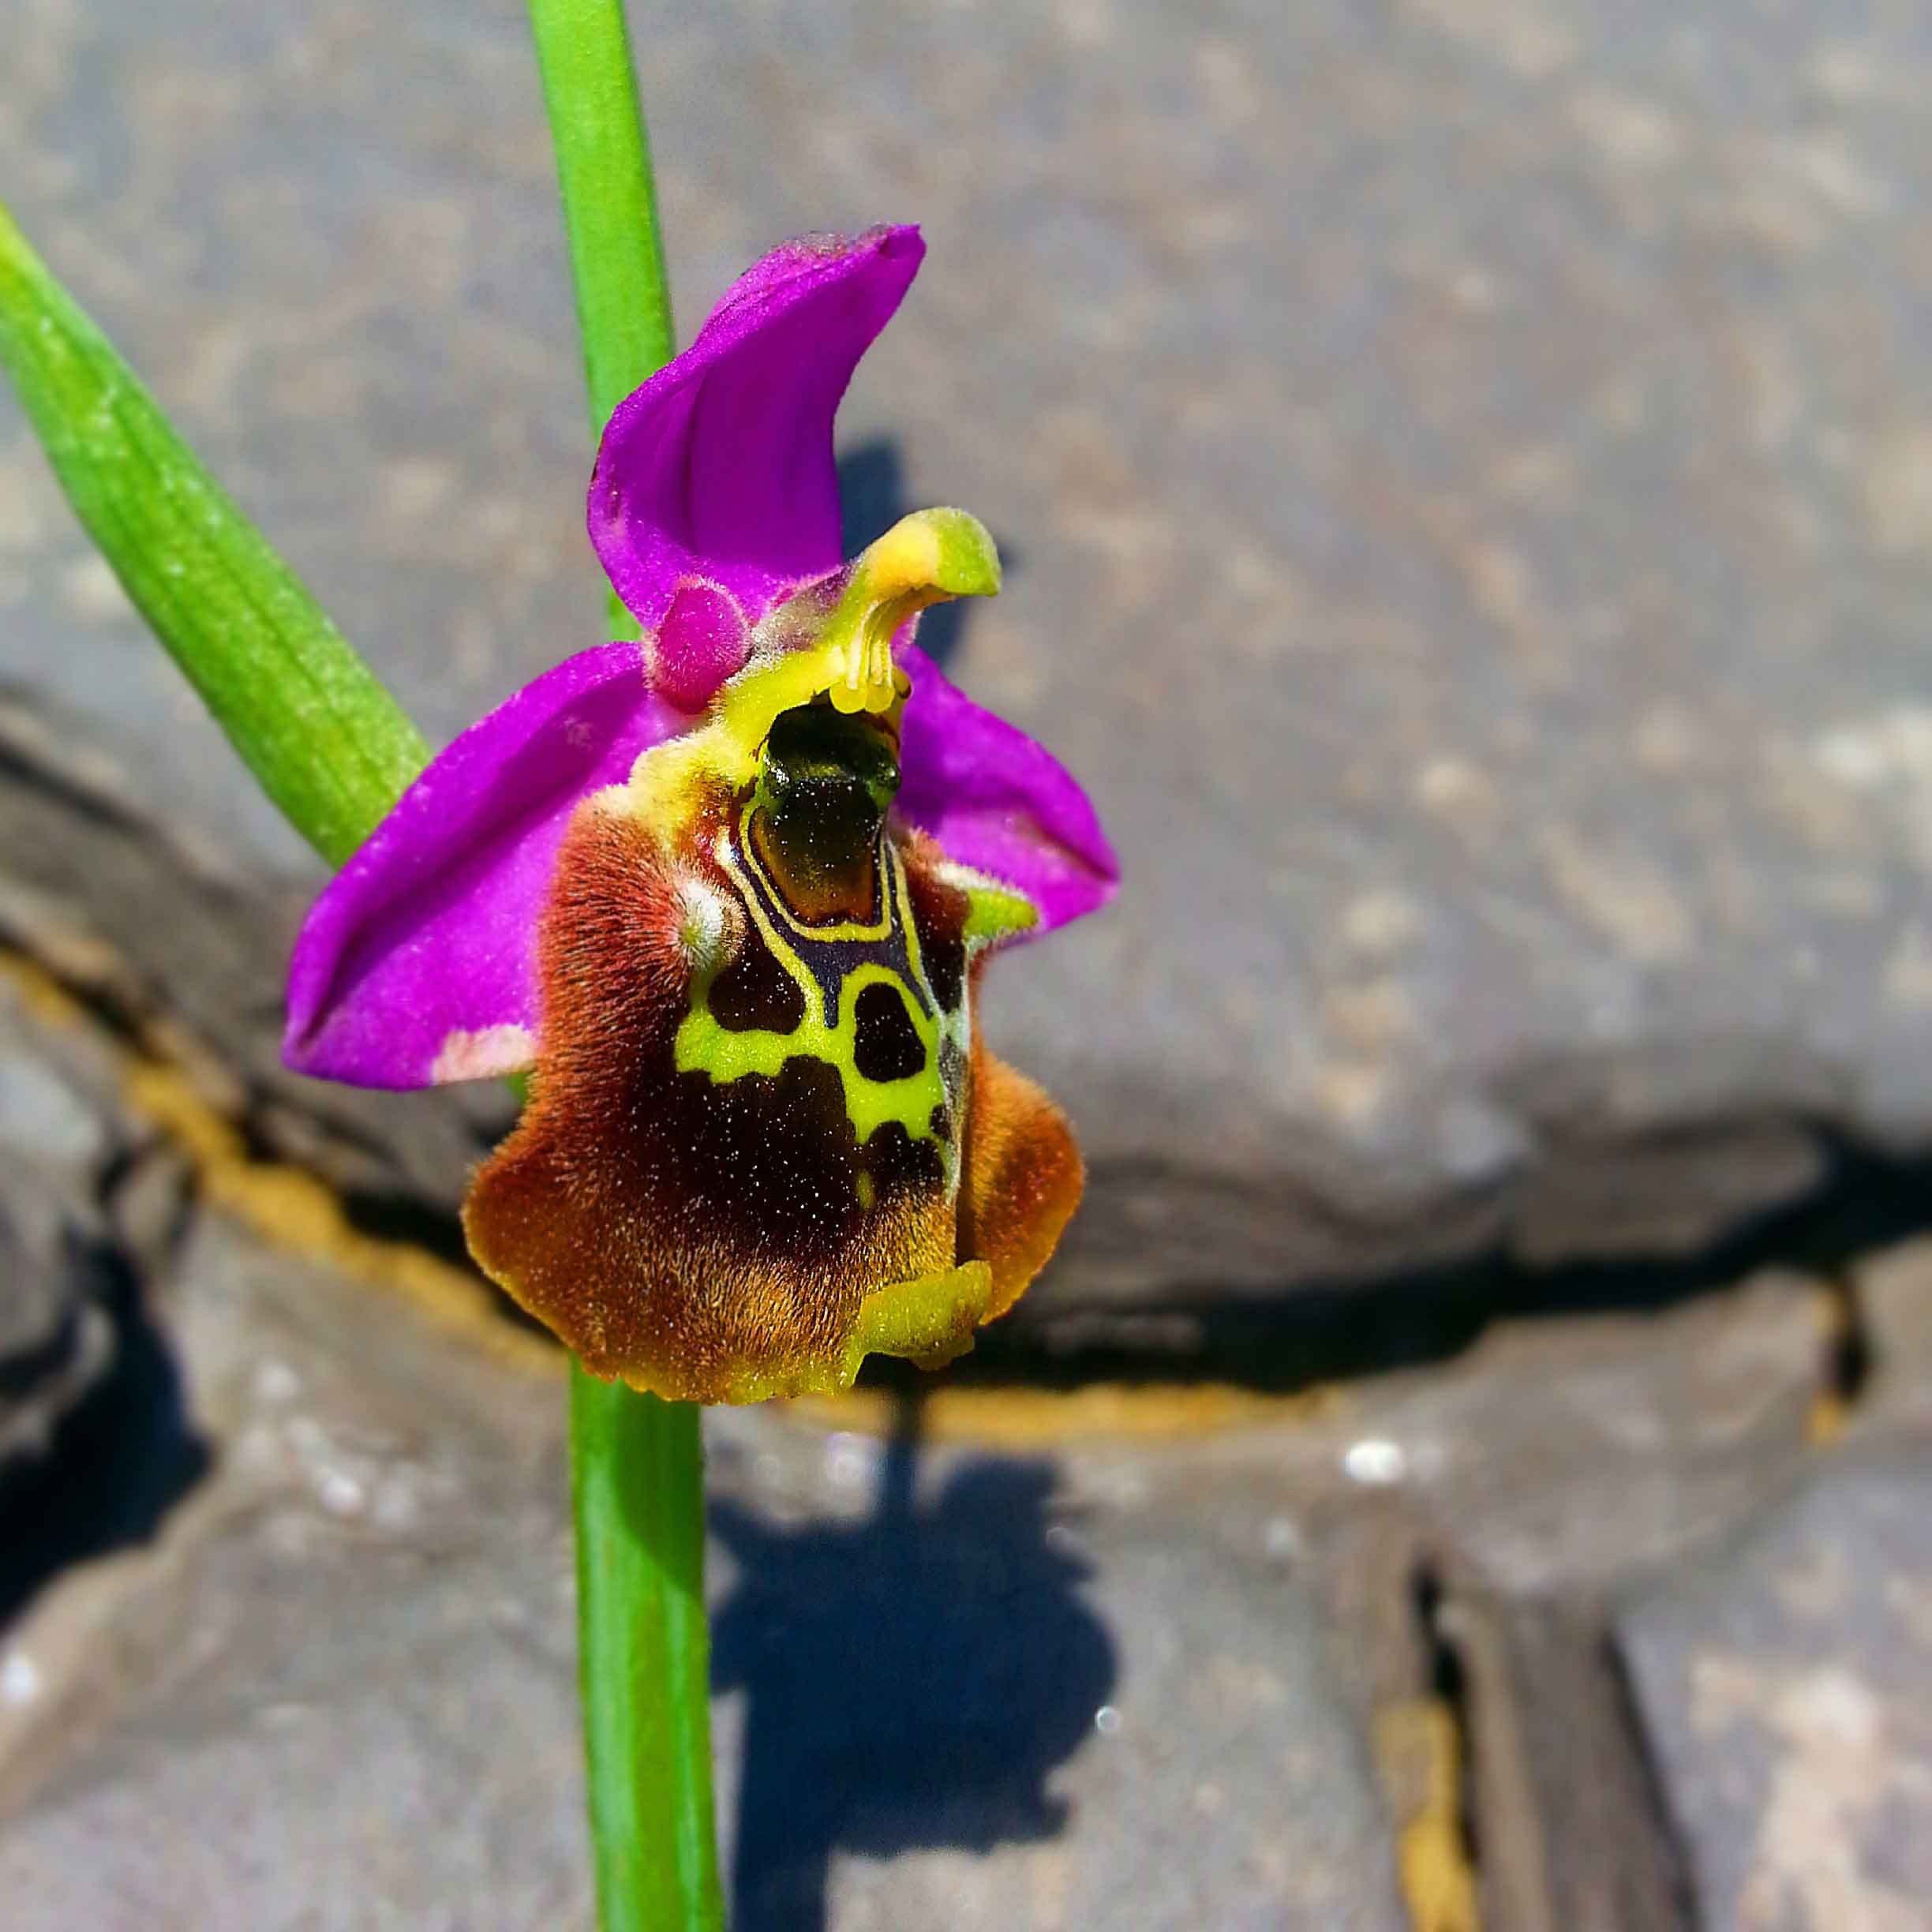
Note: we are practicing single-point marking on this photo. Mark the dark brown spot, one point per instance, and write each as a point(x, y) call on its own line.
point(944, 957)
point(755, 994)
point(939, 914)
point(886, 1045)
point(896, 1161)
point(772, 1156)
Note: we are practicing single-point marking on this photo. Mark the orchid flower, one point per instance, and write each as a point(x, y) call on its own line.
point(726, 893)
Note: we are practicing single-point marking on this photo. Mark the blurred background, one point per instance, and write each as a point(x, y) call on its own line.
point(1466, 468)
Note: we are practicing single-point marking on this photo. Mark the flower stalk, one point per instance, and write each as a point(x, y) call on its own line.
point(610, 206)
point(644, 1656)
point(637, 1463)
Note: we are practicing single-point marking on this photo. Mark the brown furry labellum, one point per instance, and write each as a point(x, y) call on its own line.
point(759, 1148)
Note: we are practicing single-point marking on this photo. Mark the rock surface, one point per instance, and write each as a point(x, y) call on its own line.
point(1786, 1689)
point(185, 954)
point(1575, 1835)
point(1894, 1300)
point(285, 1629)
point(339, 1691)
point(1029, 1690)
point(986, 1656)
point(291, 1708)
point(1467, 472)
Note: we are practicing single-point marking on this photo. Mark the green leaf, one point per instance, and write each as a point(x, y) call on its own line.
point(324, 738)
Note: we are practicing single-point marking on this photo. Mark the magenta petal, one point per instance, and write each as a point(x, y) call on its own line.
point(999, 800)
point(417, 964)
point(718, 472)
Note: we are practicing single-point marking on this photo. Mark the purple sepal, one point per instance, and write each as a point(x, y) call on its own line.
point(999, 801)
point(417, 964)
point(717, 476)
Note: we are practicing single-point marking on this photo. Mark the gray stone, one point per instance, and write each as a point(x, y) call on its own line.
point(337, 1688)
point(1786, 1690)
point(179, 951)
point(93, 1449)
point(995, 1691)
point(1573, 1836)
point(1893, 1295)
point(339, 1691)
point(1468, 474)
point(1558, 1457)
point(55, 1340)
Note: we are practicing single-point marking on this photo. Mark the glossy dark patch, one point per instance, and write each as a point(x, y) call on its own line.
point(886, 1045)
point(825, 781)
point(755, 994)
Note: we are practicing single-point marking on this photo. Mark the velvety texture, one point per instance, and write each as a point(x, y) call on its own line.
point(417, 963)
point(709, 1235)
point(1022, 1178)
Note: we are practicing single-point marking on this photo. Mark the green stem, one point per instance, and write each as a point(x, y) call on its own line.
point(610, 205)
point(638, 1463)
point(643, 1656)
point(610, 202)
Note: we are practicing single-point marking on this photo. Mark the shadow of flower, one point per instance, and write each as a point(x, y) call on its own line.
point(914, 1679)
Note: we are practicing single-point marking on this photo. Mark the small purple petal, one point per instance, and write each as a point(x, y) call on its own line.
point(417, 964)
point(999, 800)
point(702, 640)
point(719, 471)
